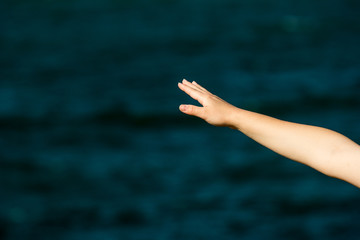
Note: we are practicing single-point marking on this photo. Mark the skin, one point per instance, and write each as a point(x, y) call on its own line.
point(322, 149)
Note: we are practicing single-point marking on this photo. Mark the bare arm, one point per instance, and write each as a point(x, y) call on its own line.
point(325, 150)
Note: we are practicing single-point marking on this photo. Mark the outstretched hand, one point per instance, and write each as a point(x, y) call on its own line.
point(214, 110)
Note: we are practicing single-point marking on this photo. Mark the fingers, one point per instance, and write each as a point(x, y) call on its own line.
point(192, 110)
point(191, 85)
point(200, 87)
point(194, 85)
point(198, 93)
point(192, 91)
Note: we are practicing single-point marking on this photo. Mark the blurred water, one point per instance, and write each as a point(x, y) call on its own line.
point(92, 145)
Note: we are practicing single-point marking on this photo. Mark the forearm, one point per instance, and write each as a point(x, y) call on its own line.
point(320, 148)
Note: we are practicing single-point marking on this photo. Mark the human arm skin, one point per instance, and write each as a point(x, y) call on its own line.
point(322, 149)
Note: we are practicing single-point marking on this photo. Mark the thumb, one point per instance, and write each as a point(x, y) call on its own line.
point(192, 110)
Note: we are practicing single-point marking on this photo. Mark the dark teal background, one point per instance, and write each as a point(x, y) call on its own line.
point(92, 145)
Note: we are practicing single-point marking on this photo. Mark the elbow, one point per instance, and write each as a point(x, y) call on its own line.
point(344, 163)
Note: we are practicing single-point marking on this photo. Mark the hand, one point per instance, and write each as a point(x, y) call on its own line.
point(214, 110)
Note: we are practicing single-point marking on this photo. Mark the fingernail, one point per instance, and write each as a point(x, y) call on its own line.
point(183, 107)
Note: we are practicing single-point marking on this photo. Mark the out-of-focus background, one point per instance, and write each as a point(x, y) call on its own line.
point(92, 145)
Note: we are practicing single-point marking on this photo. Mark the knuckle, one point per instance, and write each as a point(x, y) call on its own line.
point(192, 109)
point(207, 97)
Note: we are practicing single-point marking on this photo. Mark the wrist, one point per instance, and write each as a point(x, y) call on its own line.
point(232, 119)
